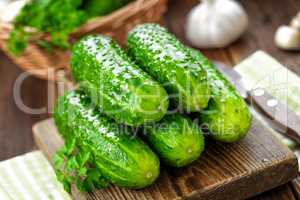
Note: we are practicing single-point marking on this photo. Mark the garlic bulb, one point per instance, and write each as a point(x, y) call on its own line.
point(296, 21)
point(288, 37)
point(215, 23)
point(9, 11)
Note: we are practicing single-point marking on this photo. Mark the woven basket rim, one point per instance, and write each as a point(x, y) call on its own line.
point(118, 15)
point(116, 24)
point(93, 23)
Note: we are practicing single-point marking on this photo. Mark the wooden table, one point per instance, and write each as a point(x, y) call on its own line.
point(265, 16)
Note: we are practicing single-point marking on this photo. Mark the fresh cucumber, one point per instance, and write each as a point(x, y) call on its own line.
point(166, 59)
point(119, 88)
point(176, 139)
point(120, 158)
point(227, 115)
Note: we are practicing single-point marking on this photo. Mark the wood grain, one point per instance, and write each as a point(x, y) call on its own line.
point(254, 165)
point(281, 193)
point(295, 185)
point(15, 125)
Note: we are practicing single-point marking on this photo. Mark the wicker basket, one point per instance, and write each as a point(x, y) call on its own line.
point(45, 65)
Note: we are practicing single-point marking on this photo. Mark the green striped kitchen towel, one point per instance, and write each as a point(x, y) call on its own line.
point(30, 177)
point(4, 195)
point(262, 70)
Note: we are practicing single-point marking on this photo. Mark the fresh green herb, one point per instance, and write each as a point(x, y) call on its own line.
point(58, 18)
point(75, 165)
point(18, 41)
point(100, 7)
point(45, 45)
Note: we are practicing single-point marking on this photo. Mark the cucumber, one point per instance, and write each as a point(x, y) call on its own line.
point(176, 139)
point(166, 59)
point(227, 115)
point(121, 159)
point(116, 85)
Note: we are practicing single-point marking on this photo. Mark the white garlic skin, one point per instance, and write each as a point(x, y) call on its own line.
point(9, 11)
point(216, 23)
point(288, 38)
point(295, 23)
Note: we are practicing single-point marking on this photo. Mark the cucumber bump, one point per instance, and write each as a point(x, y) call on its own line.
point(227, 115)
point(120, 158)
point(177, 140)
point(116, 85)
point(166, 59)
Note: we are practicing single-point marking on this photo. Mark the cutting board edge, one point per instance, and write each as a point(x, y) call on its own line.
point(289, 164)
point(35, 132)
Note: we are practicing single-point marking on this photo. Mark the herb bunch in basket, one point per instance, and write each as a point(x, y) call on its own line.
point(58, 19)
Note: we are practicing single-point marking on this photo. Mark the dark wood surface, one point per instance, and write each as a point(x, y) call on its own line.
point(265, 17)
point(254, 165)
point(15, 125)
point(284, 192)
point(295, 186)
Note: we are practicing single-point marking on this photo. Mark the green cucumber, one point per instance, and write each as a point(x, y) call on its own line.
point(227, 115)
point(116, 85)
point(176, 139)
point(166, 59)
point(121, 159)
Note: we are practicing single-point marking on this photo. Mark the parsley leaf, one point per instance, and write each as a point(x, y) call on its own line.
point(74, 165)
point(58, 18)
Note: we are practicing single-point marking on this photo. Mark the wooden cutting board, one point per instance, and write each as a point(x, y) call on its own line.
point(224, 172)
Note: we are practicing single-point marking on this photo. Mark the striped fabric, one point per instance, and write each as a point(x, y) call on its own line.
point(29, 177)
point(262, 70)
